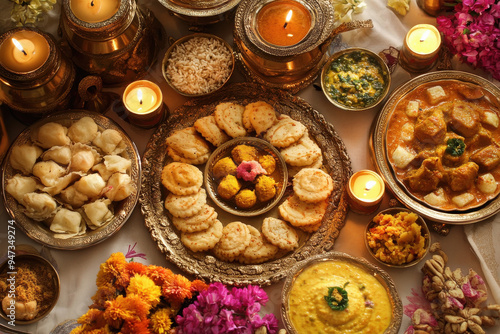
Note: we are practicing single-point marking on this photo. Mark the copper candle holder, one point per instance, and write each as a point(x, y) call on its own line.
point(44, 89)
point(120, 49)
point(291, 67)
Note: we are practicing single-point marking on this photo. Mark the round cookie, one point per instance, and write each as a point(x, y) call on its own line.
point(259, 250)
point(187, 205)
point(286, 132)
point(187, 145)
point(280, 234)
point(199, 222)
point(301, 153)
point(229, 117)
point(312, 185)
point(235, 238)
point(299, 213)
point(208, 128)
point(181, 179)
point(203, 240)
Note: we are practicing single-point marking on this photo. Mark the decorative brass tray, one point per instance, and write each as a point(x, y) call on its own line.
point(122, 210)
point(204, 265)
point(380, 155)
point(201, 9)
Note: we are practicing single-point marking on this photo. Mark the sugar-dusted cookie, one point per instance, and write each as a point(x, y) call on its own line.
point(183, 206)
point(293, 170)
point(229, 117)
point(181, 179)
point(208, 128)
point(261, 116)
point(259, 250)
point(280, 234)
point(199, 222)
point(301, 153)
point(286, 132)
point(299, 213)
point(312, 185)
point(203, 240)
point(235, 238)
point(186, 145)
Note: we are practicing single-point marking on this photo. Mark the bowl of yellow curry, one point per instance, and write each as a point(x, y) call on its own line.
point(397, 237)
point(337, 293)
point(355, 79)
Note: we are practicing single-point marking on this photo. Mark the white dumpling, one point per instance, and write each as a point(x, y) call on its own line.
point(84, 158)
point(73, 197)
point(119, 187)
point(108, 140)
point(90, 185)
point(52, 134)
point(112, 164)
point(59, 154)
point(83, 131)
point(23, 157)
point(48, 172)
point(67, 221)
point(20, 185)
point(97, 213)
point(39, 206)
point(60, 183)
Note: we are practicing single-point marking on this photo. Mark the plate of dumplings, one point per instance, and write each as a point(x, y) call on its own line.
point(211, 151)
point(72, 179)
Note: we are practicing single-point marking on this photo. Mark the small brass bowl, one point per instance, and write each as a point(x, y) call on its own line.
point(183, 40)
point(424, 233)
point(344, 99)
point(280, 175)
point(10, 268)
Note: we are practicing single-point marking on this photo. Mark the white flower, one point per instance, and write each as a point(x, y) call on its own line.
point(343, 9)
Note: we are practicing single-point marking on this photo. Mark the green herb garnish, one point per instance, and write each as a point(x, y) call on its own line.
point(337, 298)
point(455, 147)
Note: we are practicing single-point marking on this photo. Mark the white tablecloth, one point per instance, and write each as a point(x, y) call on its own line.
point(78, 268)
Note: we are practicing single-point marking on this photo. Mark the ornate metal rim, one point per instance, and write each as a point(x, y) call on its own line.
point(123, 210)
point(199, 12)
point(379, 153)
point(204, 265)
point(382, 277)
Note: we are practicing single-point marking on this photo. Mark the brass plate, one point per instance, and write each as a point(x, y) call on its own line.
point(123, 209)
point(379, 152)
point(382, 277)
point(204, 8)
point(205, 266)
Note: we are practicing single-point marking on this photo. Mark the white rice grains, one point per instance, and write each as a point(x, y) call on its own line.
point(199, 65)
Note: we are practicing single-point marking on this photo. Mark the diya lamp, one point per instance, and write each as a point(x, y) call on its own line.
point(114, 39)
point(365, 191)
point(143, 101)
point(35, 76)
point(420, 48)
point(431, 7)
point(283, 43)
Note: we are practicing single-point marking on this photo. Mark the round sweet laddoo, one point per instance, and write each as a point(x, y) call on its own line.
point(245, 199)
point(268, 163)
point(228, 187)
point(223, 167)
point(244, 153)
point(265, 188)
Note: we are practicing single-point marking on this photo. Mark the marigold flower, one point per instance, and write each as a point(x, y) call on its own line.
point(104, 292)
point(145, 288)
point(176, 290)
point(136, 327)
point(160, 321)
point(93, 319)
point(136, 268)
point(113, 270)
point(130, 308)
point(159, 275)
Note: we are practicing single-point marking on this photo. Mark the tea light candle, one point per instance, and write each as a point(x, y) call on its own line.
point(93, 11)
point(143, 100)
point(283, 22)
point(421, 48)
point(365, 191)
point(24, 51)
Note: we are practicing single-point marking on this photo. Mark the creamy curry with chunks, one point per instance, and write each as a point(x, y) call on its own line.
point(443, 142)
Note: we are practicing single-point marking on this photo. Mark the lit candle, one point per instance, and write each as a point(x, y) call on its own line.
point(93, 11)
point(366, 190)
point(24, 51)
point(143, 100)
point(283, 22)
point(421, 48)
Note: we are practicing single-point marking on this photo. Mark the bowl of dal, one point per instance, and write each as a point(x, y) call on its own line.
point(355, 79)
point(397, 238)
point(337, 293)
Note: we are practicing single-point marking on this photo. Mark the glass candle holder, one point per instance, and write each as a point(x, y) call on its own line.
point(35, 76)
point(143, 101)
point(365, 192)
point(421, 48)
point(118, 46)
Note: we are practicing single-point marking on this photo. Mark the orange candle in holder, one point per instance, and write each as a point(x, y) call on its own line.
point(143, 100)
point(93, 11)
point(365, 191)
point(420, 48)
point(283, 22)
point(25, 51)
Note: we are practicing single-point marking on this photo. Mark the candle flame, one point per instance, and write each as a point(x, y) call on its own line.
point(92, 3)
point(19, 46)
point(370, 184)
point(425, 35)
point(139, 95)
point(288, 18)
